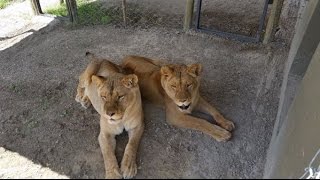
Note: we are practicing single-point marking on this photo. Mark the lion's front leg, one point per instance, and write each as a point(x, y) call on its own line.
point(181, 120)
point(108, 144)
point(128, 163)
point(203, 105)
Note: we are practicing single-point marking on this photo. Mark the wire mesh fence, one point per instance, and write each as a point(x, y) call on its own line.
point(134, 13)
point(232, 16)
point(146, 13)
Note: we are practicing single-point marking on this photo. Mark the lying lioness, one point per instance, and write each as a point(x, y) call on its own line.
point(177, 88)
point(116, 97)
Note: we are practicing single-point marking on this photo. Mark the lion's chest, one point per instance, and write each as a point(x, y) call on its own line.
point(118, 129)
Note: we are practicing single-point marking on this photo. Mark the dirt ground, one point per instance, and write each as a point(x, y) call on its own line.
point(14, 166)
point(40, 120)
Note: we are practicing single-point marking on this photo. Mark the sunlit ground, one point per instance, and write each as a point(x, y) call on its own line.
point(17, 22)
point(12, 165)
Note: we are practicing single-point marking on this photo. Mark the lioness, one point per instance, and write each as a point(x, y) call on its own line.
point(116, 97)
point(177, 88)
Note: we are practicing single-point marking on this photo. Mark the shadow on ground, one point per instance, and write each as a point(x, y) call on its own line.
point(41, 121)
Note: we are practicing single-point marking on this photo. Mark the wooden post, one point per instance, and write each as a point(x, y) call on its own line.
point(273, 21)
point(69, 10)
point(124, 12)
point(72, 10)
point(36, 7)
point(188, 15)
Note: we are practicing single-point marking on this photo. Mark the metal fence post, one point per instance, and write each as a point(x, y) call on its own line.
point(124, 12)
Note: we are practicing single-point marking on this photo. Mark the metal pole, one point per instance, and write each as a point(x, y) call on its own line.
point(124, 12)
point(198, 15)
point(262, 19)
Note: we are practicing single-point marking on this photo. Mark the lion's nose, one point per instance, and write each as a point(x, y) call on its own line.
point(110, 113)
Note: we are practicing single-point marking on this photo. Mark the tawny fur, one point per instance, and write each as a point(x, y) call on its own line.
point(176, 87)
point(116, 97)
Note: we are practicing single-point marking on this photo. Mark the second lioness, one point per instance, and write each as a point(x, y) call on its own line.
point(177, 88)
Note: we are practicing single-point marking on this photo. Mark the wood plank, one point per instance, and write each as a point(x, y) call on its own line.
point(72, 10)
point(188, 15)
point(273, 21)
point(36, 7)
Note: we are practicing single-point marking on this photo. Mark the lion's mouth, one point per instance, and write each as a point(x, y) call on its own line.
point(113, 121)
point(184, 107)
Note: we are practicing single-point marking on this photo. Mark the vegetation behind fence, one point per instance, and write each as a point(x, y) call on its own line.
point(135, 13)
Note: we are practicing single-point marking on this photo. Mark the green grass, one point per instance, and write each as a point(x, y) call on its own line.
point(4, 3)
point(60, 10)
point(89, 13)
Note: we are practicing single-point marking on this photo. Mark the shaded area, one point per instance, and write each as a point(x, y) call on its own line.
point(233, 16)
point(41, 121)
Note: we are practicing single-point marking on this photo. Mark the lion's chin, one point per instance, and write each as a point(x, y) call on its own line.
point(185, 108)
point(112, 121)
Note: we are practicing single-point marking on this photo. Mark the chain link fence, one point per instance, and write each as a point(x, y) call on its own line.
point(133, 13)
point(231, 16)
point(145, 13)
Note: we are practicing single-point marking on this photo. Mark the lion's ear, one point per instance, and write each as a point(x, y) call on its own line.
point(194, 69)
point(167, 70)
point(130, 81)
point(98, 81)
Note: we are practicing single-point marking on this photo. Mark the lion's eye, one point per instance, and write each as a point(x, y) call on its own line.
point(173, 86)
point(189, 85)
point(104, 98)
point(121, 98)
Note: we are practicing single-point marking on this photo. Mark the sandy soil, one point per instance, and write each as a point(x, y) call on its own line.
point(40, 120)
point(14, 166)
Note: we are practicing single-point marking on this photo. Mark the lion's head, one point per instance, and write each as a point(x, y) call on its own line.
point(181, 83)
point(117, 93)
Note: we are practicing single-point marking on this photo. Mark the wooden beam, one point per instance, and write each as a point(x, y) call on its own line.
point(273, 21)
point(72, 10)
point(36, 7)
point(69, 10)
point(188, 15)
